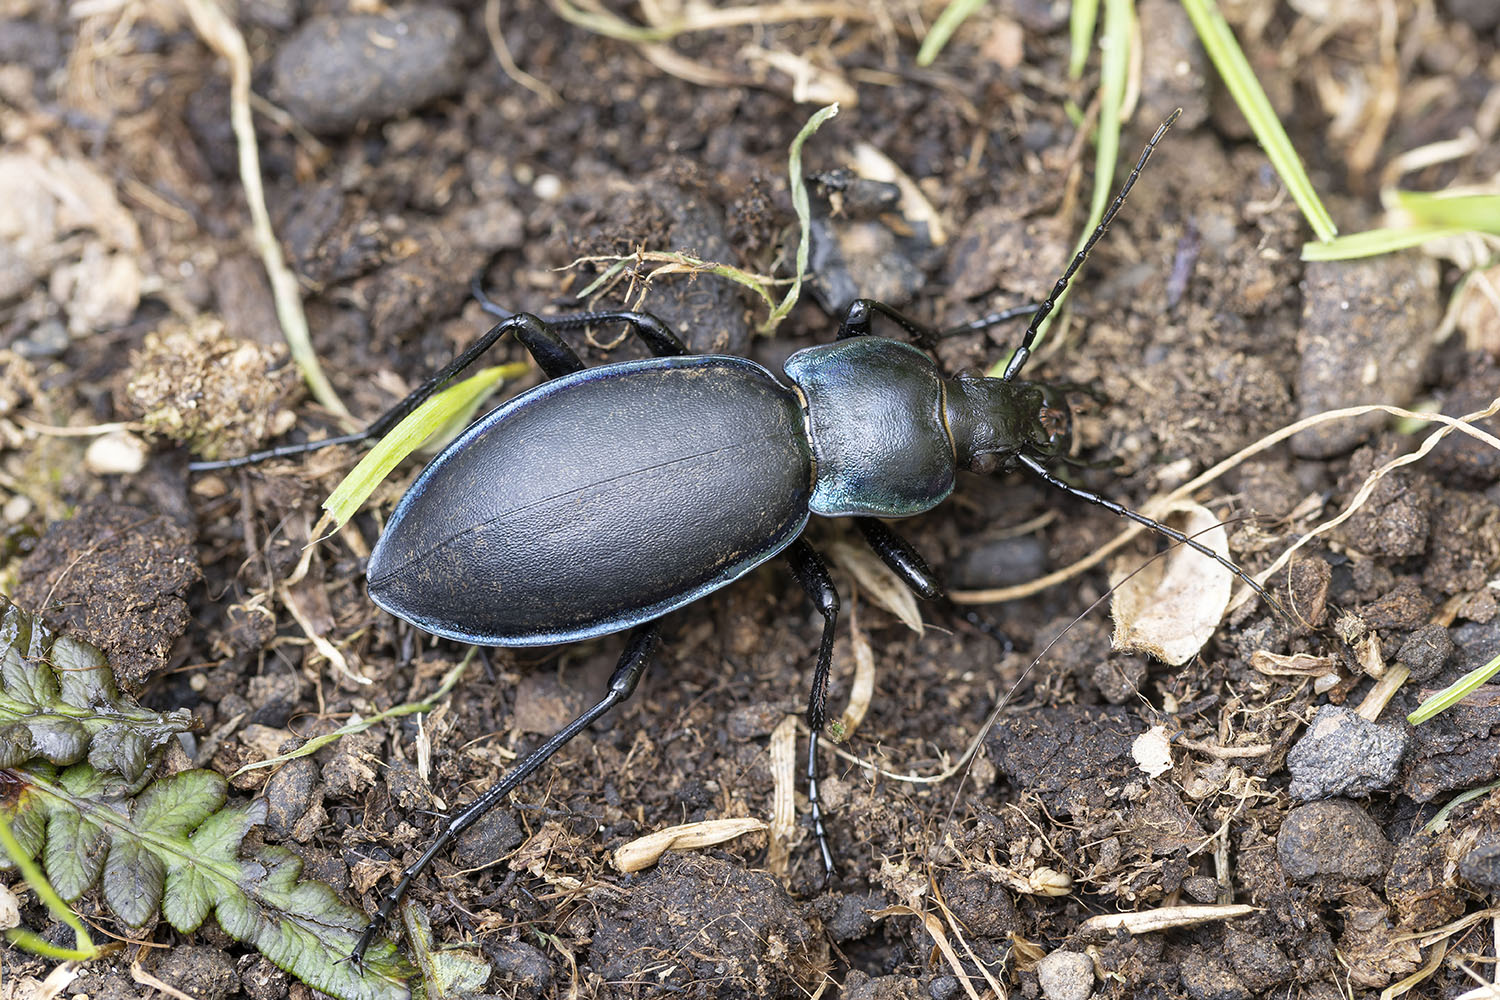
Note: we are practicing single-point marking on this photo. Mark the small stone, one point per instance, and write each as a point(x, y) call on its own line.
point(1207, 977)
point(1332, 838)
point(118, 453)
point(1344, 754)
point(1363, 339)
point(1066, 975)
point(336, 72)
point(1426, 651)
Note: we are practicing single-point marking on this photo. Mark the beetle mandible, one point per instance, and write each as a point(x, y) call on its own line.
point(607, 497)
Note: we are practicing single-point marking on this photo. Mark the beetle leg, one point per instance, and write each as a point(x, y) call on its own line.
point(861, 312)
point(905, 561)
point(857, 322)
point(641, 644)
point(554, 356)
point(550, 352)
point(656, 334)
point(813, 575)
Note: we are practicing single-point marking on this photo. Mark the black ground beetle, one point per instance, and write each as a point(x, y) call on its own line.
point(607, 497)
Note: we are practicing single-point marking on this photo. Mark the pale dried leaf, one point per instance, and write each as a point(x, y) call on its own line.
point(878, 582)
point(1161, 919)
point(1172, 607)
point(10, 910)
point(783, 754)
point(643, 852)
point(862, 690)
point(1291, 665)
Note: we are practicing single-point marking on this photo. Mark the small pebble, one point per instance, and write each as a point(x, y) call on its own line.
point(1066, 975)
point(1344, 754)
point(336, 72)
point(1426, 651)
point(118, 453)
point(1332, 838)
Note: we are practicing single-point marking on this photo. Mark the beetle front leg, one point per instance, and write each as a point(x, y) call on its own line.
point(813, 575)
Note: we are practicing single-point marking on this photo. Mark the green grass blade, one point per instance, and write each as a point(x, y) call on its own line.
point(1082, 17)
point(408, 436)
point(804, 213)
point(1453, 693)
point(1374, 242)
point(84, 948)
point(1219, 41)
point(956, 13)
point(1473, 212)
point(1119, 24)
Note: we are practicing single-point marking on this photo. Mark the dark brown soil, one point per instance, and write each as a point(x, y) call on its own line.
point(1195, 319)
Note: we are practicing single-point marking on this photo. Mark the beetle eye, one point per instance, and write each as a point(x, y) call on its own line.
point(985, 463)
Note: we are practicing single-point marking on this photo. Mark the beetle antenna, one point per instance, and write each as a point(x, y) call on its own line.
point(1018, 360)
point(1082, 494)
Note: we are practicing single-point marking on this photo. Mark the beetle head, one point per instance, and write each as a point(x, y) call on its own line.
point(992, 421)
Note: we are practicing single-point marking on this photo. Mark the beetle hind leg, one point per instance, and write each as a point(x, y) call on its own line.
point(547, 347)
point(639, 648)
